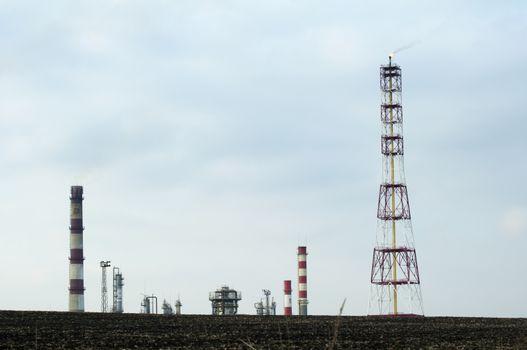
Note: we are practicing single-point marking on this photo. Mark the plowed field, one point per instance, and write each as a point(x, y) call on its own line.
point(59, 330)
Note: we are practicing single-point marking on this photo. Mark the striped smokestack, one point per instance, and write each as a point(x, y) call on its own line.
point(302, 281)
point(288, 309)
point(76, 301)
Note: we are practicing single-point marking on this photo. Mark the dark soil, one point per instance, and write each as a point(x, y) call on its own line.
point(61, 330)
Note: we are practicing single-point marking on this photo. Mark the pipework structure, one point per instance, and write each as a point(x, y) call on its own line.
point(149, 304)
point(117, 291)
point(267, 308)
point(302, 281)
point(104, 288)
point(288, 308)
point(225, 301)
point(76, 268)
point(395, 283)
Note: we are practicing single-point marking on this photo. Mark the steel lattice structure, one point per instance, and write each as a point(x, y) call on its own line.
point(395, 283)
point(118, 284)
point(104, 287)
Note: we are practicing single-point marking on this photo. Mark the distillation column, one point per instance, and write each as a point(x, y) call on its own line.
point(104, 287)
point(117, 290)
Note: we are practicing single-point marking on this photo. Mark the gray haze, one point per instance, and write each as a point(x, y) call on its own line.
point(213, 137)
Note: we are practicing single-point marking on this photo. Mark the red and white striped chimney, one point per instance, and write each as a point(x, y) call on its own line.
point(288, 308)
point(302, 281)
point(76, 299)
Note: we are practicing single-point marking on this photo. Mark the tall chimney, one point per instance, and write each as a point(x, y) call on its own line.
point(76, 301)
point(288, 309)
point(302, 281)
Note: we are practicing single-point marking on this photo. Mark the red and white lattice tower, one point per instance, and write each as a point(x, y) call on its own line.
point(395, 284)
point(288, 305)
point(302, 281)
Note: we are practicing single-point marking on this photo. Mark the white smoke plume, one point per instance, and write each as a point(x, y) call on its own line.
point(405, 47)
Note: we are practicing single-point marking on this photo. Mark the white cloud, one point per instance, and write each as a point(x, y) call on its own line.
point(514, 222)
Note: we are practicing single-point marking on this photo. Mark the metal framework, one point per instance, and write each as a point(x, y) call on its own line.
point(118, 284)
point(395, 283)
point(383, 268)
point(267, 308)
point(149, 304)
point(104, 287)
point(397, 195)
point(225, 301)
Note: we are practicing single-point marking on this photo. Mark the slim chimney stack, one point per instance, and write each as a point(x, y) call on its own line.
point(288, 309)
point(76, 297)
point(302, 281)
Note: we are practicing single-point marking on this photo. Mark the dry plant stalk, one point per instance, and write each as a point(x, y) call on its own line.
point(331, 345)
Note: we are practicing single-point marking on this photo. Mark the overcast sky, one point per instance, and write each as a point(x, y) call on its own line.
point(214, 137)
